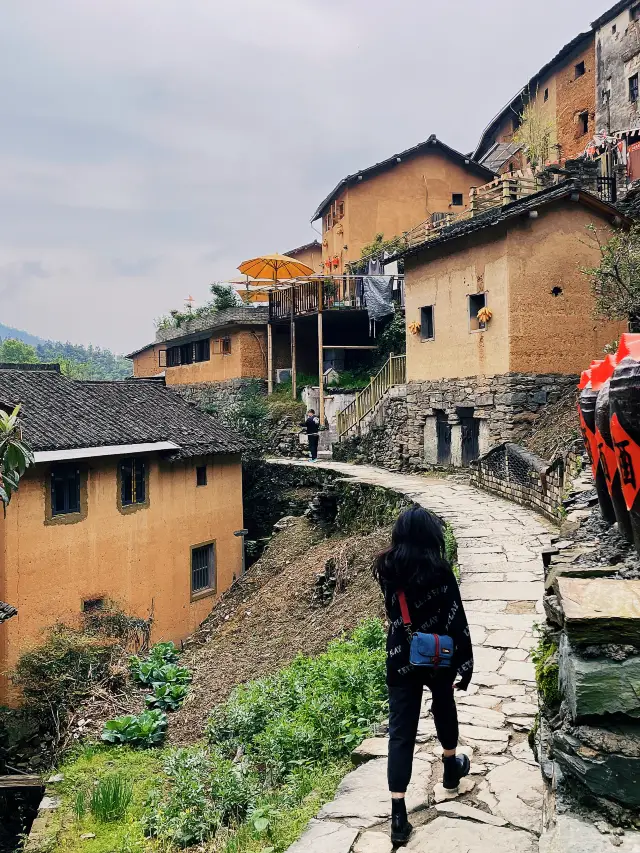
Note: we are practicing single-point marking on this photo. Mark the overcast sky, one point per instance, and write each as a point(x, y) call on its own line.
point(147, 147)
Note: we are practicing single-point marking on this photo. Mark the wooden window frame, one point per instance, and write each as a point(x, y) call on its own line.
point(134, 504)
point(432, 336)
point(66, 472)
point(473, 316)
point(211, 589)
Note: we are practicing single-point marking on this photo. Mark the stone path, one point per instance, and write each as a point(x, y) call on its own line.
point(498, 808)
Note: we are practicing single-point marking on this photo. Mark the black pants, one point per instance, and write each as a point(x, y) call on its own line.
point(404, 716)
point(314, 438)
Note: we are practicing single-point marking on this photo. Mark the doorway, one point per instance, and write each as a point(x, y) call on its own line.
point(470, 436)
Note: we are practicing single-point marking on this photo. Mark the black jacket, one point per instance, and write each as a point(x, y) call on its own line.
point(433, 611)
point(312, 425)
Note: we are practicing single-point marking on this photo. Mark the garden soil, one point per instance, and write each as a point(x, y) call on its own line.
point(269, 616)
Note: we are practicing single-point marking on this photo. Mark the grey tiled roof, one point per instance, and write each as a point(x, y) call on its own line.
point(63, 414)
point(429, 144)
point(241, 316)
point(6, 611)
point(497, 215)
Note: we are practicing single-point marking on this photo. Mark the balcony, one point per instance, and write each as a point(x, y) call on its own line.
point(336, 292)
point(500, 192)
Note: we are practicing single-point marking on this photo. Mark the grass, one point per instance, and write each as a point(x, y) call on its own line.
point(294, 730)
point(545, 660)
point(97, 764)
point(289, 821)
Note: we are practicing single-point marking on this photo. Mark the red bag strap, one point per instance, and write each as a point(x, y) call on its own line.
point(436, 657)
point(404, 608)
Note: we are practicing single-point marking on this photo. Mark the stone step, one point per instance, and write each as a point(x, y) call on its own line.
point(600, 610)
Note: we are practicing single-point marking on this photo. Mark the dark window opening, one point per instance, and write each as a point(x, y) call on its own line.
point(614, 29)
point(516, 121)
point(633, 88)
point(546, 94)
point(583, 122)
point(477, 301)
point(188, 353)
point(426, 323)
point(634, 12)
point(202, 568)
point(201, 350)
point(579, 70)
point(443, 437)
point(556, 291)
point(133, 481)
point(201, 475)
point(457, 199)
point(65, 490)
point(90, 605)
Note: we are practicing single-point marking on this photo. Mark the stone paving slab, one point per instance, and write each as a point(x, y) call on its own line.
point(499, 809)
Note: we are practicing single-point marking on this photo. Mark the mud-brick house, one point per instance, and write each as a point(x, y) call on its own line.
point(212, 358)
point(135, 497)
point(564, 94)
point(430, 180)
point(499, 321)
point(309, 254)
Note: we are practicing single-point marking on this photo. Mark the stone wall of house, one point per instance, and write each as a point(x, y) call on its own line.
point(401, 433)
point(220, 395)
point(277, 432)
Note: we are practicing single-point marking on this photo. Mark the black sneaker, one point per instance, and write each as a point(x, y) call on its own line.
point(400, 831)
point(455, 767)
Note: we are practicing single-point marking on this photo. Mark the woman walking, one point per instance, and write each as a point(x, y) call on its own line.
point(421, 596)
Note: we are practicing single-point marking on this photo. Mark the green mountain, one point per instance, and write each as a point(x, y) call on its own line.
point(76, 360)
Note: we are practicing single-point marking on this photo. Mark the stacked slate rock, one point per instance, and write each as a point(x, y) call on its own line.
point(325, 584)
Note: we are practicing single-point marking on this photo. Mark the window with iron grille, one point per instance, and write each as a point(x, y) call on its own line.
point(201, 475)
point(133, 481)
point(633, 88)
point(65, 490)
point(201, 350)
point(203, 568)
point(173, 357)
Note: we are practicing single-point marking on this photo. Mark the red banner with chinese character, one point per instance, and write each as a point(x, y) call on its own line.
point(607, 458)
point(590, 443)
point(628, 460)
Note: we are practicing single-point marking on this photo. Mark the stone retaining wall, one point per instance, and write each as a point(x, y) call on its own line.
point(400, 433)
point(520, 476)
point(588, 739)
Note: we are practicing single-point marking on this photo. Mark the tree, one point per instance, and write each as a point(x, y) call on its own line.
point(534, 134)
point(13, 351)
point(615, 283)
point(224, 296)
point(15, 455)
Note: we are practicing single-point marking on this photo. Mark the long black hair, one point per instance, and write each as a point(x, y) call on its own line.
point(416, 557)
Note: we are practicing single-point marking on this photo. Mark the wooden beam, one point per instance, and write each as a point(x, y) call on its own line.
point(269, 359)
point(21, 781)
point(320, 357)
point(294, 375)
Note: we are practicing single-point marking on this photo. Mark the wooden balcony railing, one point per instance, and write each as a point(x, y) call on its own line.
point(394, 372)
point(337, 292)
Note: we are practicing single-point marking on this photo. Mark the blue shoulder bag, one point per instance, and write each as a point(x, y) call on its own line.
point(433, 651)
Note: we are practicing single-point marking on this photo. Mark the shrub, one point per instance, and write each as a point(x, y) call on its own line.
point(111, 798)
point(144, 730)
point(203, 791)
point(314, 710)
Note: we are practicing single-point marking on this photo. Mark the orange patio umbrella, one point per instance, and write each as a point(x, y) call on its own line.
point(274, 267)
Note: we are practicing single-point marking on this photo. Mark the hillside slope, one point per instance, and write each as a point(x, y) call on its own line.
point(269, 616)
